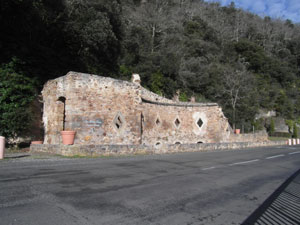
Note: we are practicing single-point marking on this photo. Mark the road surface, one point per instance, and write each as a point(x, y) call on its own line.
point(190, 188)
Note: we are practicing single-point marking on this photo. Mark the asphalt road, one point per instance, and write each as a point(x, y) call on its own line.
point(189, 188)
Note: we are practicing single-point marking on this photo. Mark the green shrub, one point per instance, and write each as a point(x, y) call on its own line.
point(183, 97)
point(295, 131)
point(157, 83)
point(16, 93)
point(282, 134)
point(258, 124)
point(272, 127)
point(290, 124)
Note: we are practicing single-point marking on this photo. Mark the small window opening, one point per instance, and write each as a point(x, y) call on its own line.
point(142, 128)
point(142, 123)
point(199, 142)
point(177, 143)
point(177, 122)
point(199, 123)
point(157, 122)
point(118, 122)
point(158, 143)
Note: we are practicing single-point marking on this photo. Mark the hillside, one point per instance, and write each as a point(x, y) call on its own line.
point(219, 54)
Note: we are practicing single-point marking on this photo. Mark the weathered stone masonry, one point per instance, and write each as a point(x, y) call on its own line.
point(106, 111)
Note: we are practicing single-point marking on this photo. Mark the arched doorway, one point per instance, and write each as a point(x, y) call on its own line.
point(61, 113)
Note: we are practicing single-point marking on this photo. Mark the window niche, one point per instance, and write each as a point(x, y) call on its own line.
point(158, 144)
point(199, 123)
point(119, 122)
point(177, 122)
point(62, 111)
point(157, 122)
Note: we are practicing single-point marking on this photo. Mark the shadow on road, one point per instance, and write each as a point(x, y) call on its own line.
point(282, 207)
point(16, 157)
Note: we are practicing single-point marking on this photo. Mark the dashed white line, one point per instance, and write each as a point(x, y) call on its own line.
point(274, 156)
point(245, 162)
point(209, 168)
point(292, 153)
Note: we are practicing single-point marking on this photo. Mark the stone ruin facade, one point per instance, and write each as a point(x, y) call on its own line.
point(106, 111)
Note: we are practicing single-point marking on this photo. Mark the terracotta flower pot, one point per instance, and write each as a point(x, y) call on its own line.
point(68, 137)
point(237, 131)
point(37, 142)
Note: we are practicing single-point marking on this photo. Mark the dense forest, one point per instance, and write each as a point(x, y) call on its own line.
point(191, 47)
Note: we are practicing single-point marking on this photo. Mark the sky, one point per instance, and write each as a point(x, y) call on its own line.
point(283, 9)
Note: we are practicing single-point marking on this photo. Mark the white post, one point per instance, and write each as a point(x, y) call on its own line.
point(2, 147)
point(294, 141)
point(290, 141)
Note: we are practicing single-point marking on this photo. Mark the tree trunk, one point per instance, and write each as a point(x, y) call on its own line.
point(152, 38)
point(233, 119)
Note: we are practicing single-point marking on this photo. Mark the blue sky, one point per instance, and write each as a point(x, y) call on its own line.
point(284, 9)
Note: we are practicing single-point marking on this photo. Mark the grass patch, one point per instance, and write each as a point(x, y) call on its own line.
point(5, 159)
point(16, 150)
point(77, 156)
point(105, 156)
point(278, 138)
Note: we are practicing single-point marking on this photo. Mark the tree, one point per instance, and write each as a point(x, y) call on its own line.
point(157, 83)
point(272, 127)
point(237, 83)
point(96, 27)
point(295, 130)
point(16, 94)
point(156, 17)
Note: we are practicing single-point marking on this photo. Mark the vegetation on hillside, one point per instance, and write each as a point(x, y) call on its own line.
point(220, 54)
point(16, 95)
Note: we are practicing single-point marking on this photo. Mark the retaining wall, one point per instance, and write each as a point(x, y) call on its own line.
point(102, 150)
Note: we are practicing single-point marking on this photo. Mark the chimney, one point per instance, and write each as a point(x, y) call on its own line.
point(193, 99)
point(136, 79)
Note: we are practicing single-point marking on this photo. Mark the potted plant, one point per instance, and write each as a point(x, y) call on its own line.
point(68, 137)
point(36, 140)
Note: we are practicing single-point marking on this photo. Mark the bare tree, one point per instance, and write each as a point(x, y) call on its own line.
point(153, 15)
point(237, 83)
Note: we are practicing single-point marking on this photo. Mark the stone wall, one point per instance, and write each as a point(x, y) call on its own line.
point(108, 111)
point(100, 110)
point(150, 96)
point(175, 123)
point(105, 150)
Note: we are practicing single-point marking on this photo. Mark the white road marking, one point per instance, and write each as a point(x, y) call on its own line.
point(245, 162)
point(275, 156)
point(292, 153)
point(209, 168)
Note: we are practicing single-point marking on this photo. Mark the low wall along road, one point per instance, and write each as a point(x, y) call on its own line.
point(102, 150)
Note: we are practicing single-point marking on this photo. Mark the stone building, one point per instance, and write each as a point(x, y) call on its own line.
point(106, 111)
